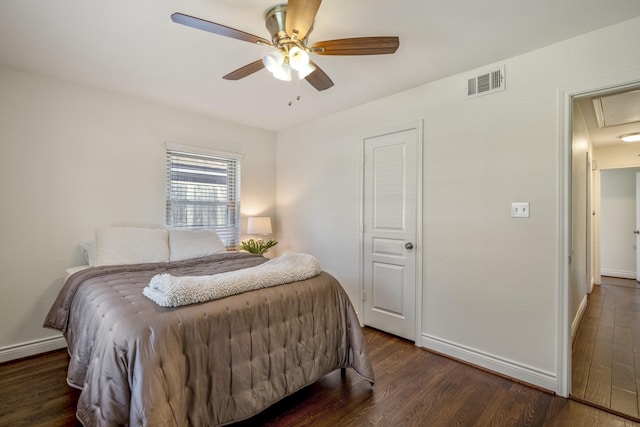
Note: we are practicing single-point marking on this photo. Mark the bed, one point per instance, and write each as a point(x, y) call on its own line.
point(203, 364)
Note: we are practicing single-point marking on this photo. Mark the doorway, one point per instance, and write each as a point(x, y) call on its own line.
point(598, 358)
point(605, 371)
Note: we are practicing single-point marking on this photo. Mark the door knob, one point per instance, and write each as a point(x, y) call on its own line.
point(408, 245)
point(636, 232)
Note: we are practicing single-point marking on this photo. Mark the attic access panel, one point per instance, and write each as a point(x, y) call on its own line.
point(617, 109)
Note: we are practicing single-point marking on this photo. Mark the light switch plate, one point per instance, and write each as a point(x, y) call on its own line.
point(520, 210)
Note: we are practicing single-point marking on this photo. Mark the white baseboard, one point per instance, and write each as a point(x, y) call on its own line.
point(31, 348)
point(578, 318)
point(518, 371)
point(619, 273)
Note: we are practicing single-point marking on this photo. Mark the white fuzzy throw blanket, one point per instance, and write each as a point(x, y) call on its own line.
point(172, 291)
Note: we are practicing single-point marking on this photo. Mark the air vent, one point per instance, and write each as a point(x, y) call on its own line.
point(486, 83)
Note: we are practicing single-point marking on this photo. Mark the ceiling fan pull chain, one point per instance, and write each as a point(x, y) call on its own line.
point(296, 89)
point(297, 99)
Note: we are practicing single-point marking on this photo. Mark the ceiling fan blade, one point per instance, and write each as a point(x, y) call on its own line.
point(319, 79)
point(245, 71)
point(300, 17)
point(357, 46)
point(212, 27)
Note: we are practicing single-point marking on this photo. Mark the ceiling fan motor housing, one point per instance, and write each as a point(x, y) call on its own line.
point(275, 21)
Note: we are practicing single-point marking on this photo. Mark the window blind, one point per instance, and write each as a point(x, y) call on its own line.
point(203, 191)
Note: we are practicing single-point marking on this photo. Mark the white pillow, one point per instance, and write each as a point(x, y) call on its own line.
point(89, 252)
point(185, 244)
point(131, 245)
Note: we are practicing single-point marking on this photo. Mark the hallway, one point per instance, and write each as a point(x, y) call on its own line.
point(606, 350)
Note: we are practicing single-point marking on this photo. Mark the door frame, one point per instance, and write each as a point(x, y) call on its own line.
point(419, 241)
point(637, 225)
point(565, 115)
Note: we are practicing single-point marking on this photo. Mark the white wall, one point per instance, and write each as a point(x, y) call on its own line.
point(617, 222)
point(75, 158)
point(490, 285)
point(617, 156)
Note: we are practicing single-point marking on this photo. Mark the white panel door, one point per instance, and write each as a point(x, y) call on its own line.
point(389, 234)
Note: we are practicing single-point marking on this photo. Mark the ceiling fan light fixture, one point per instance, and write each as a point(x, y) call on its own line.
point(298, 58)
point(273, 60)
point(306, 70)
point(283, 72)
point(631, 137)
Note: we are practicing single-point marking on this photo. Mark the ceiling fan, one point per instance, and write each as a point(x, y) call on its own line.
point(289, 26)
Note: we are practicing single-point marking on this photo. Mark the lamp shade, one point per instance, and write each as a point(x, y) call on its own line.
point(273, 60)
point(306, 70)
point(259, 225)
point(298, 58)
point(283, 73)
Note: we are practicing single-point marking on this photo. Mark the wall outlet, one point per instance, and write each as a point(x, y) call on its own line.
point(520, 210)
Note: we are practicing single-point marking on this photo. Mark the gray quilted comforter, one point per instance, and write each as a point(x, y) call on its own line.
point(203, 364)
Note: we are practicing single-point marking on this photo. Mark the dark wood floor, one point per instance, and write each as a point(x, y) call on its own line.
point(606, 350)
point(413, 388)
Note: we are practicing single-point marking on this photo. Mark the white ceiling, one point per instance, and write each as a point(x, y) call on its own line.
point(134, 47)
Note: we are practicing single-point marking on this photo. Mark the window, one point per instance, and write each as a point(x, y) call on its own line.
point(203, 191)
